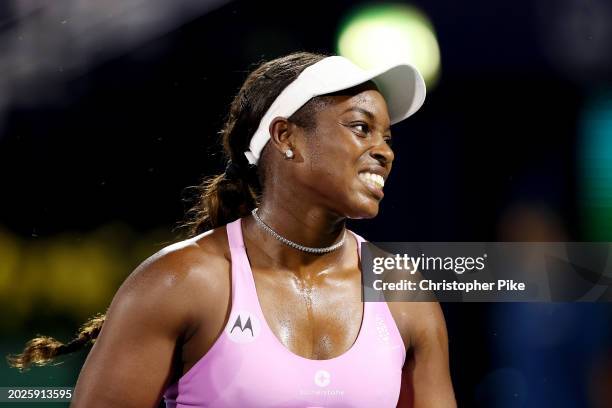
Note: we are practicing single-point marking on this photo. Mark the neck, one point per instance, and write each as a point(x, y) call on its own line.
point(301, 223)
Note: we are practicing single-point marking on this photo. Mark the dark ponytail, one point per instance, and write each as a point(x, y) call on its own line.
point(225, 197)
point(221, 198)
point(43, 349)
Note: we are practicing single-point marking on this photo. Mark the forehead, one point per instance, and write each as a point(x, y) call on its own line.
point(365, 96)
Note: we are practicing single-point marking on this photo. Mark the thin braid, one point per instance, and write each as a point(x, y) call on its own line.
point(43, 349)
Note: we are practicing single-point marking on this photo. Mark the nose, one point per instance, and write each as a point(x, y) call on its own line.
point(382, 152)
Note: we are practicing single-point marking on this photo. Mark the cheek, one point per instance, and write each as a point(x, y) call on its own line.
point(331, 162)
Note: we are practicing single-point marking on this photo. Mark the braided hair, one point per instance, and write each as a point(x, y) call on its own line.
point(221, 198)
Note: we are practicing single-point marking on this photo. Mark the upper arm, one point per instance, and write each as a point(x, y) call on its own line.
point(131, 361)
point(426, 374)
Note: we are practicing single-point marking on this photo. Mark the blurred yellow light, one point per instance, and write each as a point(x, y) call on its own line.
point(10, 253)
point(69, 275)
point(378, 34)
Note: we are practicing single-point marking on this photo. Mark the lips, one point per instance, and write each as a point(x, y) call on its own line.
point(374, 182)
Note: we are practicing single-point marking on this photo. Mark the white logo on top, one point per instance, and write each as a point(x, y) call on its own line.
point(322, 378)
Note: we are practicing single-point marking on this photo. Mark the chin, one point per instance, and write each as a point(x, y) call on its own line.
point(363, 210)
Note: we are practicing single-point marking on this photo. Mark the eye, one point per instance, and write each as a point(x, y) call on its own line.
point(361, 127)
point(389, 141)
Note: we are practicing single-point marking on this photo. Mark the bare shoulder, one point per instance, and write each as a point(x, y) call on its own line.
point(177, 281)
point(135, 355)
point(182, 262)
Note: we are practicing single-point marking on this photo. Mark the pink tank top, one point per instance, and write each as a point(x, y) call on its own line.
point(248, 366)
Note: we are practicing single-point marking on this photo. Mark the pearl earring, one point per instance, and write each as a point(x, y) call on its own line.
point(289, 154)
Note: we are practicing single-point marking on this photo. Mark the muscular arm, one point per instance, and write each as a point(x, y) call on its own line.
point(131, 361)
point(426, 381)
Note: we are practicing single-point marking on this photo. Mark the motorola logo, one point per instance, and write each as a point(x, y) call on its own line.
point(247, 325)
point(242, 327)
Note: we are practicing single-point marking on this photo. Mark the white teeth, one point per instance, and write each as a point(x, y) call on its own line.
point(375, 178)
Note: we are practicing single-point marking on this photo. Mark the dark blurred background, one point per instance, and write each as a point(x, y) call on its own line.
point(110, 110)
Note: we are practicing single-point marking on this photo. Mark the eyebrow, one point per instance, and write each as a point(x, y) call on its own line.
point(366, 112)
point(361, 110)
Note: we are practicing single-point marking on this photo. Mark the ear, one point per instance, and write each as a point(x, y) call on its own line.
point(282, 135)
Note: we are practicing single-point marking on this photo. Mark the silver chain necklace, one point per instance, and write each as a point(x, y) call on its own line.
point(295, 245)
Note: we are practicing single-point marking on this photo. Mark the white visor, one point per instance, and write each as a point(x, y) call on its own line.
point(401, 85)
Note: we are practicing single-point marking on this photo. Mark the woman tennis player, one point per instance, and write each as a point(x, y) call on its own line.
point(262, 307)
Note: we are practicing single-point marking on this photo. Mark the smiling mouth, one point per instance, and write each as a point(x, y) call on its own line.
point(374, 182)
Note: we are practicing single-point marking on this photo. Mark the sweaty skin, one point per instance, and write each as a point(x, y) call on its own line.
point(173, 307)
